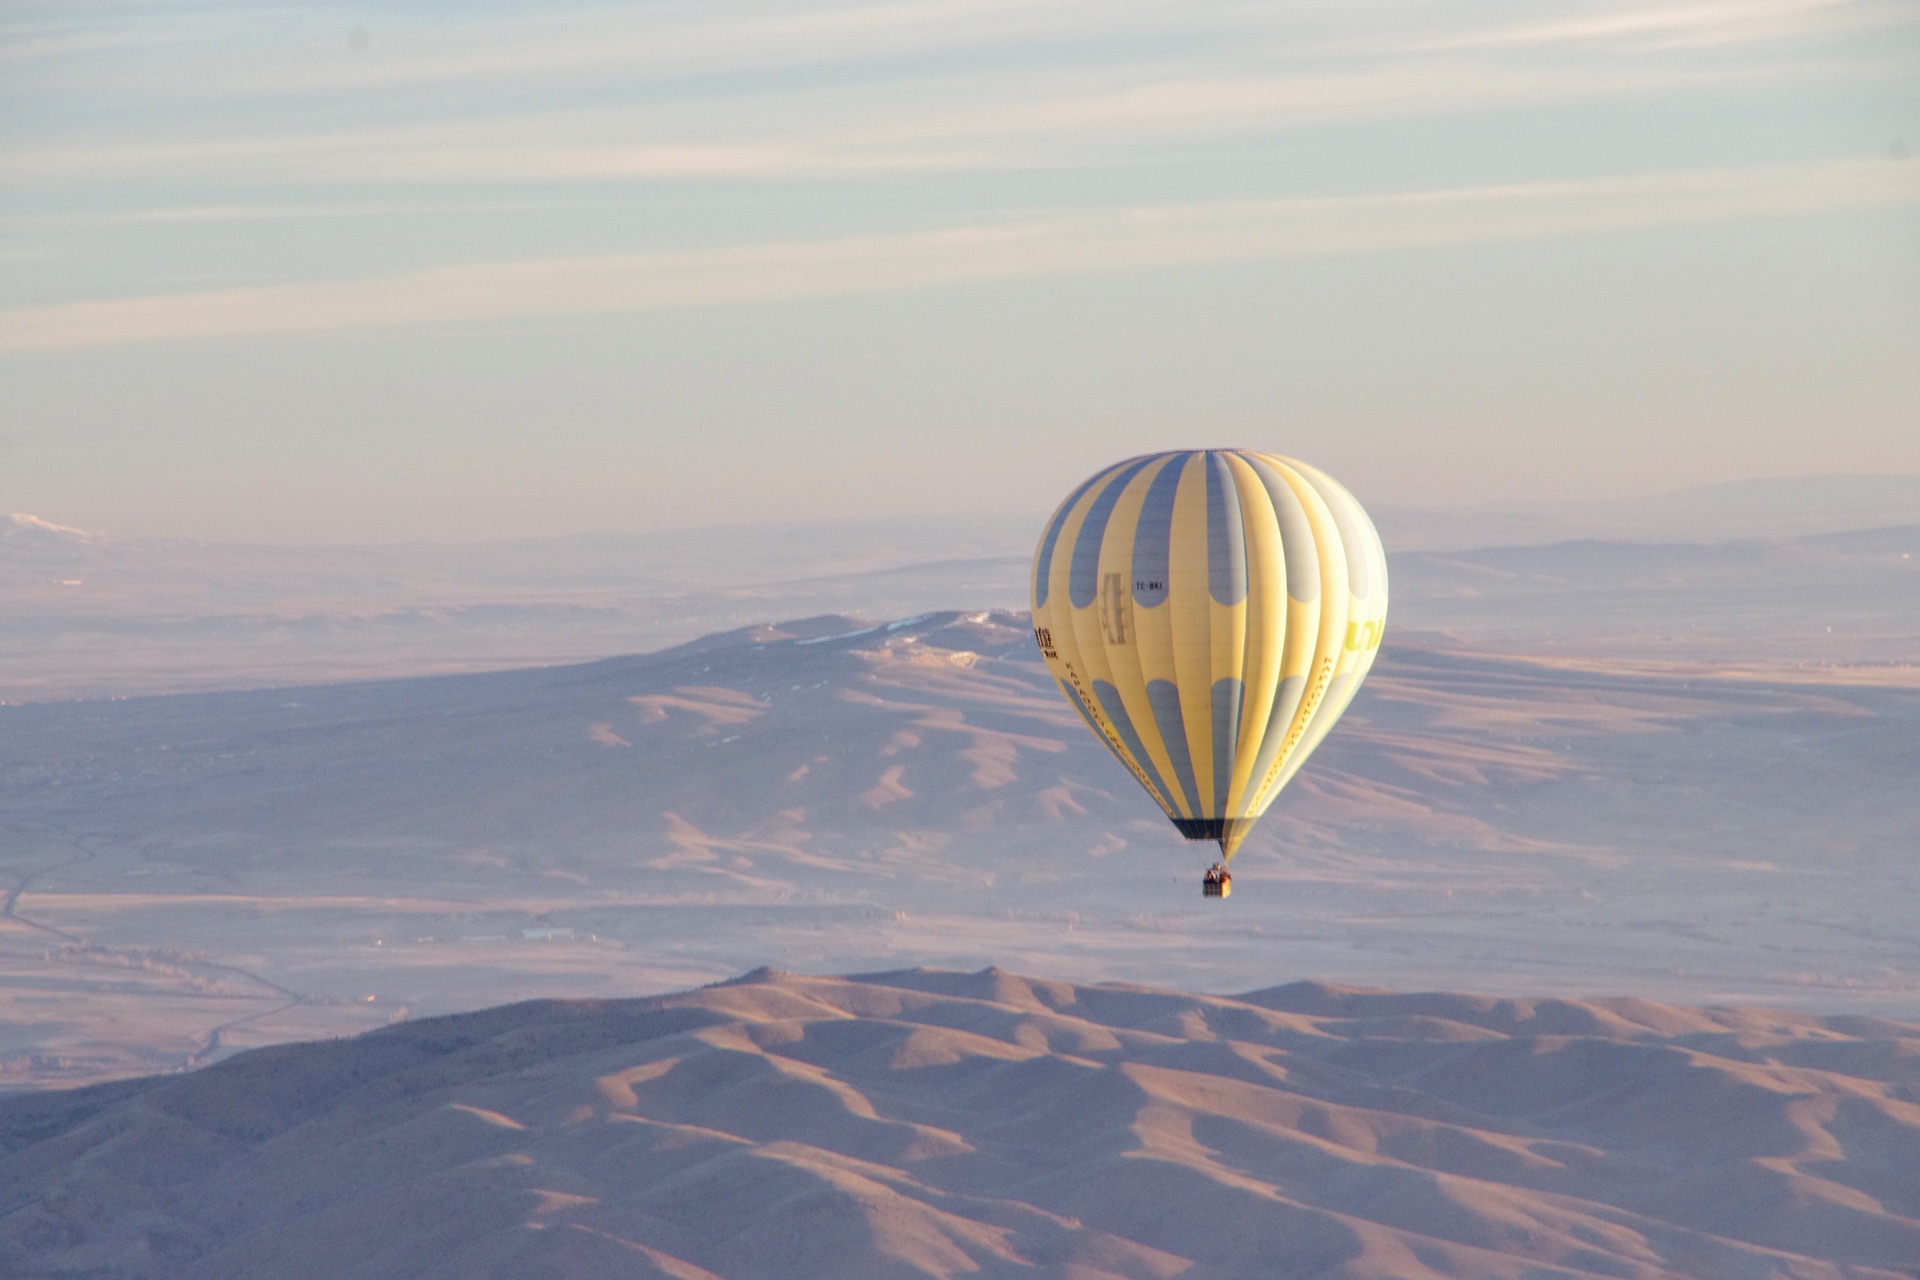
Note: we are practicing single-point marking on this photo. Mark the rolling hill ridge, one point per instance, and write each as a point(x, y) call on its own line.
point(932, 1124)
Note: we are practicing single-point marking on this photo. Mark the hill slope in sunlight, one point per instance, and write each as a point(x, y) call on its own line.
point(927, 1123)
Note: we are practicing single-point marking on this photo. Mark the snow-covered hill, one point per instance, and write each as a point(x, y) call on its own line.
point(206, 872)
point(934, 1124)
point(93, 616)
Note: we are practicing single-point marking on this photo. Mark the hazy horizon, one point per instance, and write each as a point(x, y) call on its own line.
point(1754, 507)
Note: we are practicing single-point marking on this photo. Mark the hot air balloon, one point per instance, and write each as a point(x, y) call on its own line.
point(1210, 613)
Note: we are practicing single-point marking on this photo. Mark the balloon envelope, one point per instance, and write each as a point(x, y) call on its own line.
point(1210, 614)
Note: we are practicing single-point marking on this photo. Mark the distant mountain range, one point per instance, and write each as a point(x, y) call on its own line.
point(1782, 507)
point(93, 616)
point(938, 1124)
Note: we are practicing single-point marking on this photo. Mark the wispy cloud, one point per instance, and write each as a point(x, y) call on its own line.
point(475, 152)
point(762, 90)
point(1677, 26)
point(948, 126)
point(1060, 245)
point(167, 215)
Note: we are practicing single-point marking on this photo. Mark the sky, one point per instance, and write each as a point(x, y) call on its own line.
point(311, 273)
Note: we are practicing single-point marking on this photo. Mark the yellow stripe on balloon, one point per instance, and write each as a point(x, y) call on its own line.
point(1129, 631)
point(1263, 621)
point(1072, 663)
point(1335, 603)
